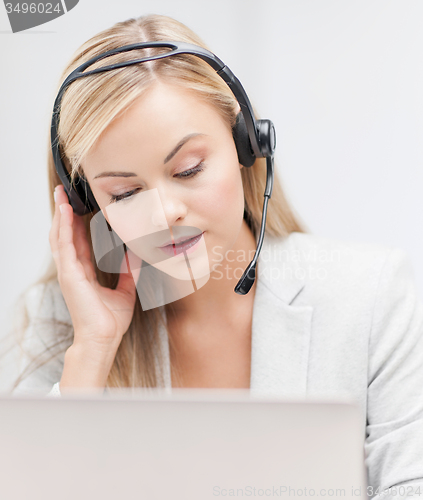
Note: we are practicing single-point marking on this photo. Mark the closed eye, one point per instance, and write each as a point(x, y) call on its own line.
point(187, 174)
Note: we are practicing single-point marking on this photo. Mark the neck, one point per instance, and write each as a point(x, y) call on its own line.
point(217, 296)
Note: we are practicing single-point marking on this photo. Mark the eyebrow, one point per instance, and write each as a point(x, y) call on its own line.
point(167, 159)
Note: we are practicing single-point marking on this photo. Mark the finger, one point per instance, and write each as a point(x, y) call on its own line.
point(134, 263)
point(53, 236)
point(60, 197)
point(70, 267)
point(82, 247)
point(80, 237)
point(130, 269)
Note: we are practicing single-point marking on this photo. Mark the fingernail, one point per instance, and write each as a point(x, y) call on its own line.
point(61, 208)
point(55, 196)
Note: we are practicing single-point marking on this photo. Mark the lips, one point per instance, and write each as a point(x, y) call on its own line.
point(184, 245)
point(183, 239)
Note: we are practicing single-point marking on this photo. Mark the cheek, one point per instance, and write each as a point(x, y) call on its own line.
point(142, 217)
point(222, 199)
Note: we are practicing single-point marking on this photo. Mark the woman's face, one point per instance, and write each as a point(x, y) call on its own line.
point(168, 168)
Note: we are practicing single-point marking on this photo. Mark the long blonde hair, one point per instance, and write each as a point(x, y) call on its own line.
point(89, 105)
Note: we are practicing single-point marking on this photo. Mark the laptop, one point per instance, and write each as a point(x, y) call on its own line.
point(186, 444)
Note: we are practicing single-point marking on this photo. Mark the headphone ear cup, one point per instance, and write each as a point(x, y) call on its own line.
point(85, 196)
point(246, 156)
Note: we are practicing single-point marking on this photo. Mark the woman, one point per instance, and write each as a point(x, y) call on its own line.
point(323, 318)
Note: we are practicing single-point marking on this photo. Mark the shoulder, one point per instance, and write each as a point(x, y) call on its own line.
point(46, 321)
point(43, 332)
point(45, 301)
point(333, 255)
point(310, 248)
point(338, 270)
point(350, 259)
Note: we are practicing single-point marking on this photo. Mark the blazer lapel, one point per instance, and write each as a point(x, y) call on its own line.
point(280, 331)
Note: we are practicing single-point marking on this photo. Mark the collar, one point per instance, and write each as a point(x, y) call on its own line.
point(281, 331)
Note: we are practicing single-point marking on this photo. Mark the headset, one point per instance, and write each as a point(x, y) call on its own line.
point(253, 138)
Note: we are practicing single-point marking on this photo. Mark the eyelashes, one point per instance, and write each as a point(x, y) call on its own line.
point(187, 174)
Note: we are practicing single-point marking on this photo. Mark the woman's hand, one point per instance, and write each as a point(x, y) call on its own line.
point(100, 315)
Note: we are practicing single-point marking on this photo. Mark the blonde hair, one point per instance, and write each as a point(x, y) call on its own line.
point(90, 104)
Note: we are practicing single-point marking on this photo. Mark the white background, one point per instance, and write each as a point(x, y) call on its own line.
point(341, 79)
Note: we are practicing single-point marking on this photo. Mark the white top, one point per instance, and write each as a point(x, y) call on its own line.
point(330, 320)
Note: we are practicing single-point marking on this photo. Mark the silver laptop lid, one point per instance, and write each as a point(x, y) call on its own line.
point(188, 445)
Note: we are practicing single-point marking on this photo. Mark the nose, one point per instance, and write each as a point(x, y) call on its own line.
point(170, 209)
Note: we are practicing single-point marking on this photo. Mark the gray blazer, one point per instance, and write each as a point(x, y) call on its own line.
point(335, 319)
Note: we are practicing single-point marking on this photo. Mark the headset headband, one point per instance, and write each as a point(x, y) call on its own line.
point(261, 133)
